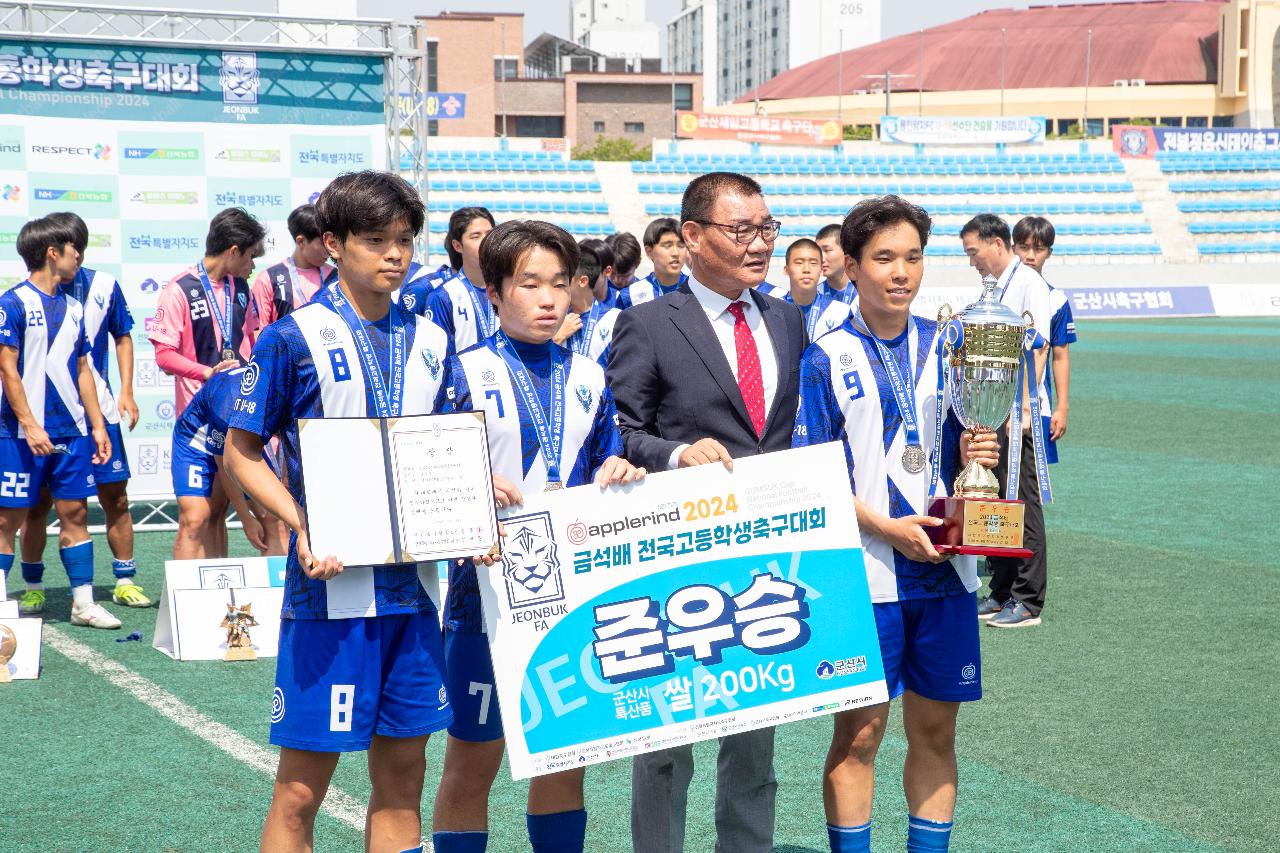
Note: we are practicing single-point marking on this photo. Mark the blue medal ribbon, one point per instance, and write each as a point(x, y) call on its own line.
point(948, 337)
point(222, 319)
point(1017, 262)
point(582, 341)
point(486, 323)
point(1026, 379)
point(811, 314)
point(549, 425)
point(906, 402)
point(388, 404)
point(79, 286)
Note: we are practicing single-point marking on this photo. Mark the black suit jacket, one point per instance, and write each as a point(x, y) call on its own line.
point(673, 384)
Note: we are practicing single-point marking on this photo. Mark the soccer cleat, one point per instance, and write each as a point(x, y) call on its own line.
point(989, 607)
point(31, 603)
point(95, 616)
point(130, 595)
point(1014, 615)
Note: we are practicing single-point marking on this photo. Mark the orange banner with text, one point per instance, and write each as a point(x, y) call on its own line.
point(774, 131)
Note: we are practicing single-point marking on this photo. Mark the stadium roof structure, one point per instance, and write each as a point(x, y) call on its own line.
point(1157, 41)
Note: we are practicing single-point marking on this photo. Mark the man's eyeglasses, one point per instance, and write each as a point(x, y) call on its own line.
point(745, 232)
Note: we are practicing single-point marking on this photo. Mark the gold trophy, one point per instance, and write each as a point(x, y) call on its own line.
point(238, 621)
point(982, 351)
point(8, 648)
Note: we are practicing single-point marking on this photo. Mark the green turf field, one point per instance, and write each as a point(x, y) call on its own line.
point(1141, 716)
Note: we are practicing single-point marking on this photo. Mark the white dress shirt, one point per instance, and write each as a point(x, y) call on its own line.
point(716, 307)
point(1022, 289)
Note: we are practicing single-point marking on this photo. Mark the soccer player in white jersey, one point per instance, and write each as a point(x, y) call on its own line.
point(292, 281)
point(872, 384)
point(551, 423)
point(460, 305)
point(664, 247)
point(347, 681)
point(49, 398)
point(106, 317)
point(467, 229)
point(836, 283)
point(1017, 585)
point(588, 327)
point(821, 312)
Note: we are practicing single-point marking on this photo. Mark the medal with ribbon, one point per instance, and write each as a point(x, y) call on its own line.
point(222, 318)
point(549, 425)
point(386, 401)
point(913, 457)
point(811, 312)
point(582, 340)
point(486, 322)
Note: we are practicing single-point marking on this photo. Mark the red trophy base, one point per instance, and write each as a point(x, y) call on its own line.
point(984, 527)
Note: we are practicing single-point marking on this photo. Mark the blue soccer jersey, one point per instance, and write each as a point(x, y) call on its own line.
point(479, 380)
point(646, 290)
point(822, 315)
point(419, 283)
point(48, 333)
point(200, 434)
point(777, 291)
point(307, 365)
point(596, 334)
point(847, 296)
point(106, 317)
point(463, 310)
point(846, 396)
point(1062, 328)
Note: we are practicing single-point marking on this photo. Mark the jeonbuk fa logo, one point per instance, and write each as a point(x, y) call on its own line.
point(1134, 142)
point(530, 565)
point(239, 77)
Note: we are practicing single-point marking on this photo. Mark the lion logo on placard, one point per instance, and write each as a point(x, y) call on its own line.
point(239, 78)
point(530, 562)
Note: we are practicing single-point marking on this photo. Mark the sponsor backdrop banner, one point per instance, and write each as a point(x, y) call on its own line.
point(700, 603)
point(774, 131)
point(1144, 142)
point(148, 144)
point(962, 130)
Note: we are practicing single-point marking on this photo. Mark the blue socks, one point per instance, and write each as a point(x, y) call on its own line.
point(850, 839)
point(928, 836)
point(6, 563)
point(562, 832)
point(32, 572)
point(127, 569)
point(460, 842)
point(78, 561)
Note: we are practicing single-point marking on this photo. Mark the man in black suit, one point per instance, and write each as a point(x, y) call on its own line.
point(703, 375)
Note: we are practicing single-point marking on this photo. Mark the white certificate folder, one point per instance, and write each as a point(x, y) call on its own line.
point(398, 490)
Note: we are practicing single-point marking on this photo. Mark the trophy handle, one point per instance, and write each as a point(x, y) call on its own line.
point(1031, 320)
point(944, 315)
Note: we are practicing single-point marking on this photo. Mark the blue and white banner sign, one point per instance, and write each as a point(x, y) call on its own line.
point(962, 130)
point(699, 603)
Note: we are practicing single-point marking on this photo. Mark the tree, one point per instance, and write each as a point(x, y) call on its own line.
point(611, 150)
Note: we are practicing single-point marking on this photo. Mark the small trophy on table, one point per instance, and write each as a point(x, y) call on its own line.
point(8, 648)
point(238, 621)
point(987, 365)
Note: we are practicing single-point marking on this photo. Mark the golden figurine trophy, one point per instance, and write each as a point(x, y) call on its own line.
point(8, 648)
point(238, 621)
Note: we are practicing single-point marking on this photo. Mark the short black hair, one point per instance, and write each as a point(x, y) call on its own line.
point(988, 227)
point(38, 235)
point(872, 215)
point(234, 226)
point(304, 223)
point(701, 194)
point(602, 250)
point(803, 243)
point(829, 231)
point(359, 202)
point(67, 217)
point(659, 228)
point(1034, 229)
point(508, 244)
point(459, 221)
point(589, 262)
point(626, 251)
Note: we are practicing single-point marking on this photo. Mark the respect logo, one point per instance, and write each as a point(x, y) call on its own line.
point(11, 192)
point(102, 152)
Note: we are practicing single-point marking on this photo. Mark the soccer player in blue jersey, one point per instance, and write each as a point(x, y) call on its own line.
point(550, 421)
point(588, 327)
point(836, 283)
point(602, 287)
point(199, 439)
point(821, 312)
point(467, 229)
point(1033, 239)
point(106, 318)
point(346, 680)
point(626, 258)
point(460, 305)
point(664, 246)
point(872, 384)
point(49, 399)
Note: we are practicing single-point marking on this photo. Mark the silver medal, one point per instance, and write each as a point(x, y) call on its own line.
point(553, 485)
point(228, 354)
point(913, 458)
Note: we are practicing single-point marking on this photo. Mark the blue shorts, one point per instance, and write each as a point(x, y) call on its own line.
point(116, 469)
point(341, 681)
point(68, 476)
point(930, 647)
point(192, 471)
point(469, 677)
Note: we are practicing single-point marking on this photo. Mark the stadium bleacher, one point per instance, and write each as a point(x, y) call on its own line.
point(1231, 214)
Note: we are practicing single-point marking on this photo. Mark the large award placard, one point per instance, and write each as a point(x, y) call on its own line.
point(698, 603)
point(398, 490)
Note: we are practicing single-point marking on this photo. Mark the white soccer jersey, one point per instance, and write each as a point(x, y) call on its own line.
point(596, 333)
point(1022, 289)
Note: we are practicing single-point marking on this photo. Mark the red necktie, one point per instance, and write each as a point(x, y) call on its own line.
point(750, 382)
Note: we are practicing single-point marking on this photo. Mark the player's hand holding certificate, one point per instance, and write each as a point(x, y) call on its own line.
point(398, 490)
